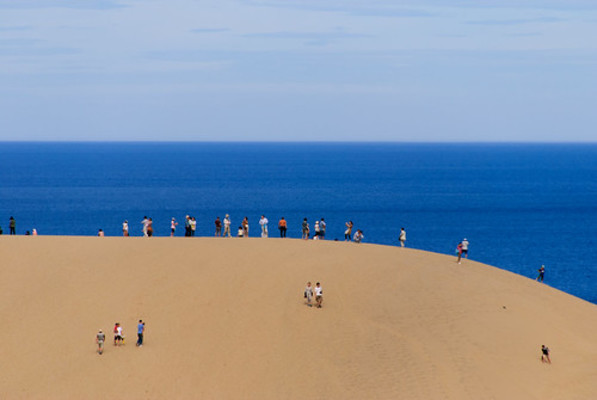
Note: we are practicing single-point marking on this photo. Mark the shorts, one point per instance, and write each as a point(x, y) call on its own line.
point(464, 251)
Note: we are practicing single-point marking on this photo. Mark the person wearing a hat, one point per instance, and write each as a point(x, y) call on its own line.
point(227, 225)
point(173, 225)
point(463, 249)
point(99, 339)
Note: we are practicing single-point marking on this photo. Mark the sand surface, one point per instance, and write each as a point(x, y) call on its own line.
point(226, 319)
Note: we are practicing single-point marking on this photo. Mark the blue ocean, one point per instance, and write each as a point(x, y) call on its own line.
point(519, 205)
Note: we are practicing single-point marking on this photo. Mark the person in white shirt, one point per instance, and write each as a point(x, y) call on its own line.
point(318, 294)
point(358, 236)
point(241, 232)
point(463, 249)
point(173, 224)
point(193, 226)
point(317, 230)
point(145, 223)
point(125, 228)
point(402, 237)
point(263, 222)
point(227, 225)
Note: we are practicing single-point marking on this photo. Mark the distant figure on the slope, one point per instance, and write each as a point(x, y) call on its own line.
point(99, 339)
point(12, 225)
point(140, 331)
point(322, 226)
point(100, 233)
point(348, 231)
point(282, 226)
point(241, 231)
point(545, 354)
point(263, 221)
point(402, 237)
point(173, 225)
point(218, 225)
point(118, 335)
point(318, 294)
point(149, 227)
point(309, 294)
point(317, 230)
point(193, 226)
point(305, 229)
point(541, 273)
point(187, 226)
point(145, 223)
point(245, 224)
point(358, 236)
point(1, 231)
point(125, 228)
point(34, 232)
point(463, 249)
point(227, 225)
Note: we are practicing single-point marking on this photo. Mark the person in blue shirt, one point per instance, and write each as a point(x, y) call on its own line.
point(140, 330)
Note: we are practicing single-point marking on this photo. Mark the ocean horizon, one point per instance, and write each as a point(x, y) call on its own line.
point(520, 205)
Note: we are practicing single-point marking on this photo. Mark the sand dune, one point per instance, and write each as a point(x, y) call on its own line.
point(226, 320)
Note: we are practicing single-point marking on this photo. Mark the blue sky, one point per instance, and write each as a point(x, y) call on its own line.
point(286, 70)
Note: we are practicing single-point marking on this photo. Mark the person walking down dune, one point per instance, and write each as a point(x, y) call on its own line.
point(402, 237)
point(118, 335)
point(309, 294)
point(545, 354)
point(318, 294)
point(125, 228)
point(348, 231)
point(541, 274)
point(140, 331)
point(100, 338)
point(322, 227)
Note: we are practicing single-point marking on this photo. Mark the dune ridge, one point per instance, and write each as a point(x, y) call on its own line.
point(226, 320)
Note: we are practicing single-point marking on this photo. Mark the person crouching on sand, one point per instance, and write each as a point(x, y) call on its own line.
point(309, 294)
point(545, 354)
point(358, 236)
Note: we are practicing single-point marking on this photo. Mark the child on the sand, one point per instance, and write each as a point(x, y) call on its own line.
point(318, 295)
point(241, 231)
point(99, 339)
point(545, 354)
point(309, 294)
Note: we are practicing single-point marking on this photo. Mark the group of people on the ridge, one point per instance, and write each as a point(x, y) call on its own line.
point(12, 228)
point(100, 337)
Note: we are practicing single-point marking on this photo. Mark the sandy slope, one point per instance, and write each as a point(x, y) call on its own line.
point(226, 320)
